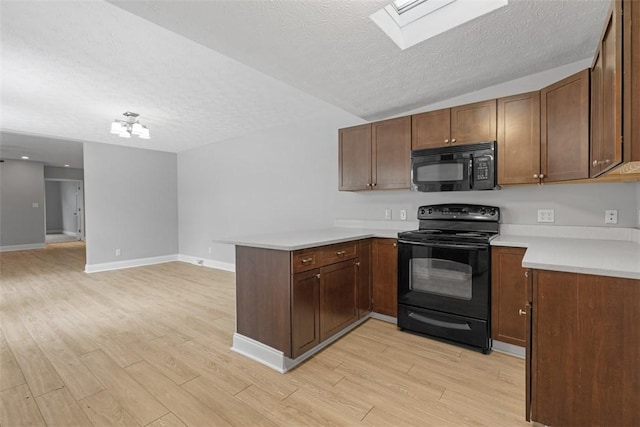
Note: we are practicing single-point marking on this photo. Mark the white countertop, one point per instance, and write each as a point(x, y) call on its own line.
point(606, 255)
point(294, 240)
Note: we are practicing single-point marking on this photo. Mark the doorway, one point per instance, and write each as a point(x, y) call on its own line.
point(64, 210)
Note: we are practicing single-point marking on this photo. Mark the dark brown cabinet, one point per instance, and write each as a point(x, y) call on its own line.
point(606, 97)
point(453, 126)
point(585, 350)
point(375, 156)
point(631, 84)
point(305, 311)
point(364, 278)
point(564, 153)
point(385, 276)
point(519, 139)
point(338, 299)
point(508, 295)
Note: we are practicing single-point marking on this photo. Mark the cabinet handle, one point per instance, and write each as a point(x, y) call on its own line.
point(607, 161)
point(395, 245)
point(374, 184)
point(541, 176)
point(318, 276)
point(535, 176)
point(306, 260)
point(526, 273)
point(340, 253)
point(368, 185)
point(446, 141)
point(358, 263)
point(453, 141)
point(595, 163)
point(521, 312)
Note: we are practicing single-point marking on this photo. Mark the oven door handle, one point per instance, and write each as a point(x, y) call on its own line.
point(469, 246)
point(449, 325)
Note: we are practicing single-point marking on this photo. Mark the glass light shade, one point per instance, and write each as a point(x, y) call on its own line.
point(124, 133)
point(144, 134)
point(116, 127)
point(136, 129)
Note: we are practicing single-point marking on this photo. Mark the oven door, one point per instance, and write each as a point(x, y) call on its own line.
point(446, 172)
point(446, 277)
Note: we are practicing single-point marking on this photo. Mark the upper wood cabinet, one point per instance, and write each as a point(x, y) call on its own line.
point(375, 156)
point(631, 82)
point(519, 139)
point(508, 295)
point(606, 97)
point(565, 129)
point(459, 125)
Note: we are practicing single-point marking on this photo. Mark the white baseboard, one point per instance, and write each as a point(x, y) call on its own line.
point(139, 262)
point(385, 318)
point(11, 248)
point(513, 350)
point(208, 263)
point(70, 233)
point(54, 231)
point(275, 359)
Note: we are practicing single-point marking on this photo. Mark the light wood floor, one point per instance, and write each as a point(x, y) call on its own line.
point(150, 347)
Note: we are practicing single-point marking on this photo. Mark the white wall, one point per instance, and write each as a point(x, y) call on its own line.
point(21, 203)
point(53, 172)
point(130, 203)
point(287, 178)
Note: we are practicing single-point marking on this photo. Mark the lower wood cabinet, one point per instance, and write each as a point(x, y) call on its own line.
point(305, 311)
point(338, 299)
point(585, 351)
point(364, 278)
point(385, 276)
point(508, 295)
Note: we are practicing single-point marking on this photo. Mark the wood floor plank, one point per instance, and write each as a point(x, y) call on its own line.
point(36, 367)
point(18, 408)
point(78, 379)
point(10, 372)
point(105, 411)
point(169, 365)
point(137, 401)
point(169, 420)
point(59, 408)
point(184, 405)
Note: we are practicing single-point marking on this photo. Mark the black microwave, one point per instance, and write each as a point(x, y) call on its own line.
point(455, 168)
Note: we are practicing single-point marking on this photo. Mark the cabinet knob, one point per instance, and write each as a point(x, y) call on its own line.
point(340, 253)
point(453, 141)
point(318, 276)
point(368, 185)
point(521, 312)
point(526, 273)
point(595, 163)
point(446, 141)
point(541, 176)
point(607, 161)
point(535, 176)
point(374, 184)
point(395, 245)
point(358, 263)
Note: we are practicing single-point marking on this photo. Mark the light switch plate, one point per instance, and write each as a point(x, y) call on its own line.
point(403, 214)
point(387, 214)
point(546, 215)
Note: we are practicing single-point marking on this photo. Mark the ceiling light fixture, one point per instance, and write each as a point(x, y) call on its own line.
point(66, 166)
point(129, 126)
point(24, 157)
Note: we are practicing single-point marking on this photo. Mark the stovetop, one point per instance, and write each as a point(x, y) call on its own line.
point(455, 223)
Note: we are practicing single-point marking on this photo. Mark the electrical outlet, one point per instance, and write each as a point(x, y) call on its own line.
point(546, 215)
point(611, 216)
point(200, 262)
point(118, 252)
point(403, 214)
point(387, 214)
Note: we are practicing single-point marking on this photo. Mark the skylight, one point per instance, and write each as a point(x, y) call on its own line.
point(409, 22)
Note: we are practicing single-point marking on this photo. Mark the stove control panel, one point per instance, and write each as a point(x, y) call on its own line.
point(460, 212)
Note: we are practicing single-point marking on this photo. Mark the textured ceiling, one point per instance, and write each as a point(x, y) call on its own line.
point(199, 72)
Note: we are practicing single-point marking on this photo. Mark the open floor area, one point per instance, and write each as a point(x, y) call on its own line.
point(150, 346)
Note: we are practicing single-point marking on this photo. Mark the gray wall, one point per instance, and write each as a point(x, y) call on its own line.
point(21, 186)
point(130, 203)
point(287, 178)
point(53, 206)
point(68, 191)
point(52, 172)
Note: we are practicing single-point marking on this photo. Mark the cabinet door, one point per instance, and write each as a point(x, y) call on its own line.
point(385, 276)
point(391, 147)
point(473, 122)
point(606, 115)
point(519, 139)
point(431, 129)
point(354, 158)
point(364, 278)
point(338, 304)
point(305, 311)
point(565, 129)
point(508, 296)
point(631, 80)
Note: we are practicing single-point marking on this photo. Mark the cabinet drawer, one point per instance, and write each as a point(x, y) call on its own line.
point(339, 252)
point(306, 259)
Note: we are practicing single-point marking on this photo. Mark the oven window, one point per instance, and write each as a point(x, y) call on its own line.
point(440, 172)
point(441, 277)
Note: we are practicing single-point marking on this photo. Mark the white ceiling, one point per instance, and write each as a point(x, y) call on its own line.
point(199, 72)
